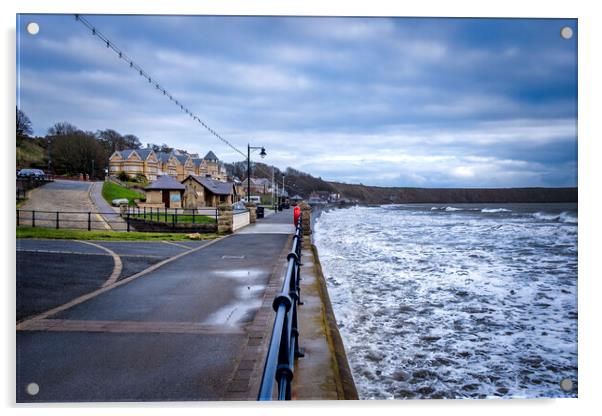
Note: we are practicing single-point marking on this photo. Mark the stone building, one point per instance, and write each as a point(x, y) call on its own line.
point(165, 192)
point(134, 162)
point(167, 164)
point(207, 192)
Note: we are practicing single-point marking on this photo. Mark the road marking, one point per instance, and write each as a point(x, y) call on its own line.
point(116, 268)
point(176, 244)
point(74, 325)
point(93, 294)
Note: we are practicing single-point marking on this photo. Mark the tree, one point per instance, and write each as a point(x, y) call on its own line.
point(62, 128)
point(163, 148)
point(132, 141)
point(24, 127)
point(78, 152)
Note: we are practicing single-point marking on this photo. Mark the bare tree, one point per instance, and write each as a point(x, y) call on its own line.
point(24, 127)
point(62, 128)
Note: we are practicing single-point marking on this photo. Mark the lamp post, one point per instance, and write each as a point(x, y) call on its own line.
point(262, 154)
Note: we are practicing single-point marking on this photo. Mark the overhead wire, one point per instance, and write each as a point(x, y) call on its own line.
point(152, 81)
point(158, 87)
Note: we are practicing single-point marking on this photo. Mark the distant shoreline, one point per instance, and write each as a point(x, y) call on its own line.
point(406, 195)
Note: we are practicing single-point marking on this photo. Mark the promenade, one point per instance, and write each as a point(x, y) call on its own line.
point(184, 328)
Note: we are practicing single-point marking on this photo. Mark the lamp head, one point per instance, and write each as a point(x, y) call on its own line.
point(263, 154)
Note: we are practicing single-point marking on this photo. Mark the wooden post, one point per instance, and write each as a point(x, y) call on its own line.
point(33, 219)
point(89, 221)
point(57, 220)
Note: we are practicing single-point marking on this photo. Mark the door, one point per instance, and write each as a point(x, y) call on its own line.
point(165, 194)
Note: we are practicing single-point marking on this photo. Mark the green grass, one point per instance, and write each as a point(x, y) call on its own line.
point(111, 191)
point(184, 219)
point(51, 233)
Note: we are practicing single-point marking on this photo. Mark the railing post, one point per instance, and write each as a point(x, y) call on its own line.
point(89, 221)
point(33, 219)
point(57, 220)
point(128, 220)
point(145, 212)
point(165, 213)
point(193, 215)
point(18, 219)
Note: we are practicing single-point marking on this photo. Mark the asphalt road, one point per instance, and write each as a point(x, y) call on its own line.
point(53, 272)
point(174, 333)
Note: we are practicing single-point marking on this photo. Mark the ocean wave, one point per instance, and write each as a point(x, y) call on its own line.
point(493, 210)
point(565, 217)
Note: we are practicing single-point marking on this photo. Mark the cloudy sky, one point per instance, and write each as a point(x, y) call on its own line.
point(381, 101)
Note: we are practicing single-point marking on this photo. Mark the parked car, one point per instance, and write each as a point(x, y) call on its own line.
point(238, 205)
point(31, 173)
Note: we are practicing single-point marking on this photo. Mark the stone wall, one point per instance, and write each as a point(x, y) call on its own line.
point(306, 217)
point(225, 220)
point(252, 212)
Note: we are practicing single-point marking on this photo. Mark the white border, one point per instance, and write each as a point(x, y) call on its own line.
point(589, 205)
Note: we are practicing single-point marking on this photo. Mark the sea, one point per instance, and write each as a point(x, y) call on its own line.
point(455, 300)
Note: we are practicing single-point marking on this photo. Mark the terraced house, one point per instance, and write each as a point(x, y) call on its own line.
point(135, 162)
point(177, 164)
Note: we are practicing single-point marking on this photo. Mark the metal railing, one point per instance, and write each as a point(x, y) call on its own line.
point(170, 215)
point(83, 220)
point(94, 220)
point(25, 184)
point(284, 343)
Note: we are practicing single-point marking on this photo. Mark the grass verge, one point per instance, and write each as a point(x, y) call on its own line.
point(51, 233)
point(111, 191)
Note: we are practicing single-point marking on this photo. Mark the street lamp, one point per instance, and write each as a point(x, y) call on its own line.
point(262, 154)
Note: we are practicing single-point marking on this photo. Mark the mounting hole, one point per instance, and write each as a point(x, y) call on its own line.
point(566, 32)
point(32, 389)
point(33, 28)
point(566, 384)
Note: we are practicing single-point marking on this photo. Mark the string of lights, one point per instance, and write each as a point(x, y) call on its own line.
point(158, 87)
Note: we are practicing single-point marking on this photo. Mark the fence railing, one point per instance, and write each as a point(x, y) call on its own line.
point(94, 220)
point(25, 184)
point(171, 215)
point(284, 343)
point(85, 220)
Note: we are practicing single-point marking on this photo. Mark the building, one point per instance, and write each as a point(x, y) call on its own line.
point(165, 192)
point(167, 164)
point(184, 166)
point(261, 185)
point(134, 162)
point(177, 164)
point(207, 192)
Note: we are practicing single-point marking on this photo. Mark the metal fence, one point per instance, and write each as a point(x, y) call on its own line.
point(284, 344)
point(25, 184)
point(86, 220)
point(93, 220)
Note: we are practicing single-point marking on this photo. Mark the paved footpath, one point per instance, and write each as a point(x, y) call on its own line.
point(184, 329)
point(109, 213)
point(64, 196)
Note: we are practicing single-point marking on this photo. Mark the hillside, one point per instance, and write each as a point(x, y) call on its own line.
point(388, 195)
point(297, 182)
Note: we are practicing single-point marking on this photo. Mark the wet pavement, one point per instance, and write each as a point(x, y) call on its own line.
point(174, 331)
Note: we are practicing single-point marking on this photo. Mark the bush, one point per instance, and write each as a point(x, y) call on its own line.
point(140, 178)
point(122, 176)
